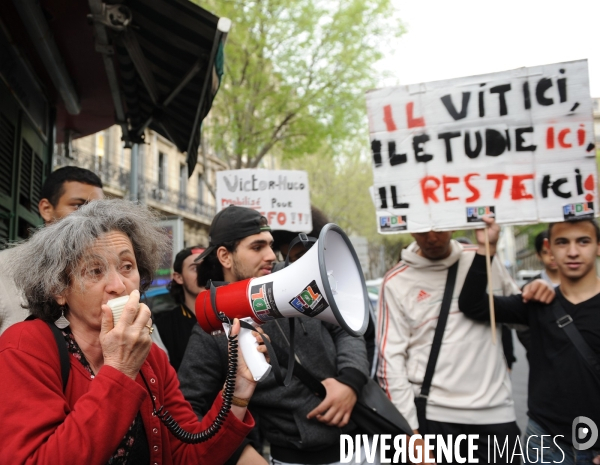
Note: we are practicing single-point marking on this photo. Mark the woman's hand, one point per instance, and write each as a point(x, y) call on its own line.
point(126, 345)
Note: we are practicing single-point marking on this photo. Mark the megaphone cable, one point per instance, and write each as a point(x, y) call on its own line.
point(196, 438)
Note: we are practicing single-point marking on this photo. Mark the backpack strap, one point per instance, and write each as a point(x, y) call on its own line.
point(421, 399)
point(63, 353)
point(565, 322)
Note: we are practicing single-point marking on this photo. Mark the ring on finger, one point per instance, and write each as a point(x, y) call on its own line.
point(150, 329)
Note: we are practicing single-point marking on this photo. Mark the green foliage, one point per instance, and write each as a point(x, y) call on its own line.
point(339, 187)
point(295, 75)
point(532, 230)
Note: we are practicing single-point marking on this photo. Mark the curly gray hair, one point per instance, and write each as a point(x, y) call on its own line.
point(46, 264)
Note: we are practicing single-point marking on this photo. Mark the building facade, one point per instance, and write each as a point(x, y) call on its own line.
point(25, 146)
point(163, 182)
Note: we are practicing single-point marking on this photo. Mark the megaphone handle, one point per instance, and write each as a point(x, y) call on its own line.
point(255, 360)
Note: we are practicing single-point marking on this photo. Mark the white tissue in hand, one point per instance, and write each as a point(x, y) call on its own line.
point(117, 305)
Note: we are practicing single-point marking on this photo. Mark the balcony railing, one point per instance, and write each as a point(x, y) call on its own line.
point(117, 178)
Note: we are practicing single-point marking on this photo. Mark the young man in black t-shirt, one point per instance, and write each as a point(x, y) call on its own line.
point(562, 386)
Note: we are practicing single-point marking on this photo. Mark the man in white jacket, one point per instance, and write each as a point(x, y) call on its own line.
point(470, 391)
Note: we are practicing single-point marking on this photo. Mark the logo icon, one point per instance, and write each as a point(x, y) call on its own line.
point(310, 301)
point(263, 302)
point(259, 301)
point(578, 210)
point(422, 295)
point(393, 223)
point(580, 433)
point(475, 214)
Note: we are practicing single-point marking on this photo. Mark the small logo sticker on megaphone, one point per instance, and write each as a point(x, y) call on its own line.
point(263, 302)
point(310, 301)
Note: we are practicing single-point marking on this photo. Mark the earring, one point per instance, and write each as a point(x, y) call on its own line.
point(62, 322)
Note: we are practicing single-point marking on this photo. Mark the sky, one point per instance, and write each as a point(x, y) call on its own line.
point(453, 38)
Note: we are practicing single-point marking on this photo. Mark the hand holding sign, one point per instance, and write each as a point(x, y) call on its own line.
point(493, 232)
point(487, 247)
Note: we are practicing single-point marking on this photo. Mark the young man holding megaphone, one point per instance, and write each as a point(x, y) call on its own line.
point(300, 428)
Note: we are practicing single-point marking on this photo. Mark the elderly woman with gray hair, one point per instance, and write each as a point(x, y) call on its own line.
point(119, 384)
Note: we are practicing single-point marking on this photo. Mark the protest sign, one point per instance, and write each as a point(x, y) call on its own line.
point(282, 196)
point(517, 144)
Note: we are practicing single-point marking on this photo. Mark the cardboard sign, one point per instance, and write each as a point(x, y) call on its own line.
point(518, 143)
point(281, 196)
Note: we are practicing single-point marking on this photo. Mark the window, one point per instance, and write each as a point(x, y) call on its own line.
point(162, 170)
point(100, 144)
point(182, 179)
point(182, 185)
point(100, 148)
point(200, 189)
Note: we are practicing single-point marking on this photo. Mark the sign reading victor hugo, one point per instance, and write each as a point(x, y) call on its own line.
point(282, 196)
point(519, 143)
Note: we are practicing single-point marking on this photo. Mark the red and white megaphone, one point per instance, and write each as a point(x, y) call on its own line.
point(326, 283)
